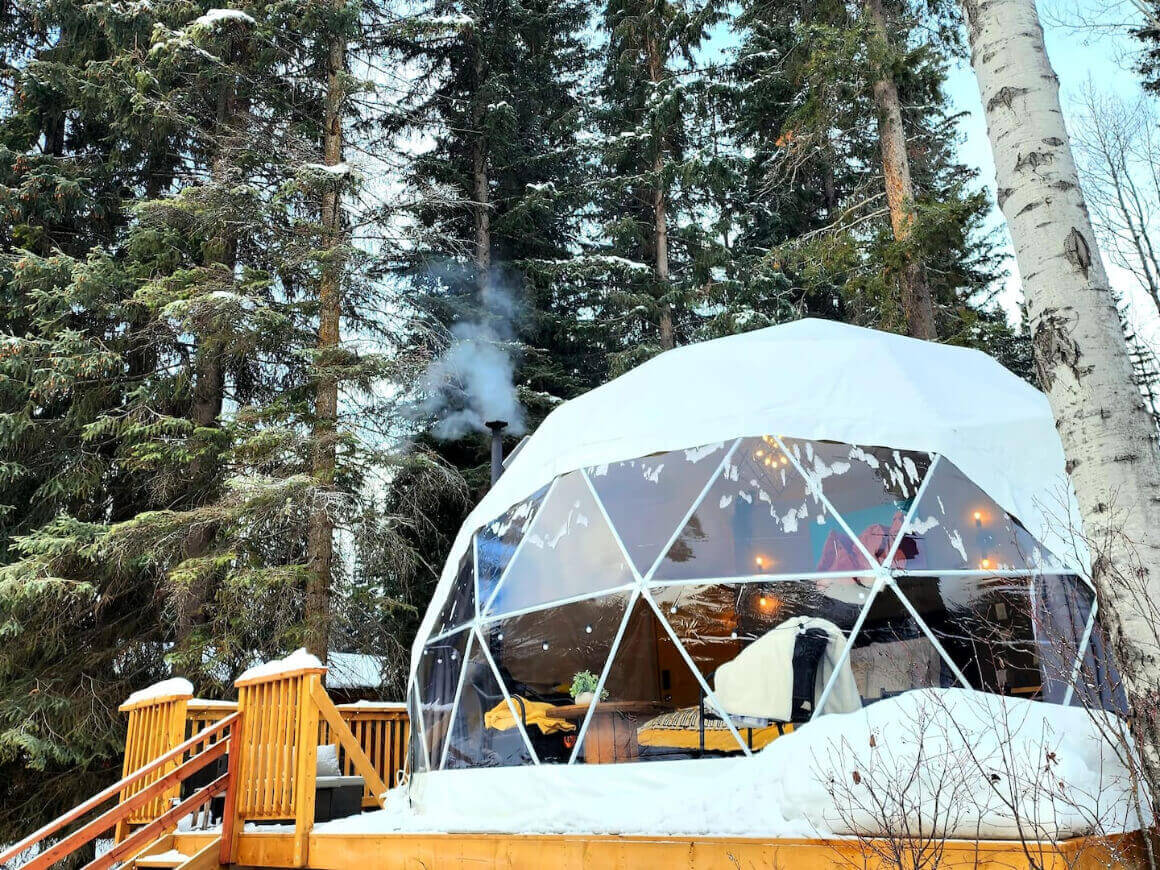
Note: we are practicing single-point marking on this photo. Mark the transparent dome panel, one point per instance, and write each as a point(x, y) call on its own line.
point(995, 632)
point(416, 752)
point(541, 655)
point(484, 732)
point(655, 709)
point(569, 551)
point(957, 526)
point(759, 517)
point(871, 488)
point(647, 498)
point(889, 655)
point(1065, 606)
point(459, 609)
point(1098, 684)
point(767, 649)
point(495, 543)
point(437, 678)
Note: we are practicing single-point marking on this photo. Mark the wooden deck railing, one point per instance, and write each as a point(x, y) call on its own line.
point(382, 730)
point(141, 788)
point(284, 712)
point(272, 763)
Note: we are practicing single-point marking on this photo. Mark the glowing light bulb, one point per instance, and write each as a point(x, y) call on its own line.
point(760, 453)
point(733, 635)
point(978, 516)
point(763, 601)
point(588, 629)
point(986, 563)
point(499, 636)
point(784, 461)
point(673, 609)
point(760, 562)
point(544, 645)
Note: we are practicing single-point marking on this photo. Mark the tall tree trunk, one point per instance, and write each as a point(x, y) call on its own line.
point(916, 301)
point(656, 67)
point(219, 253)
point(481, 190)
point(1080, 354)
point(320, 537)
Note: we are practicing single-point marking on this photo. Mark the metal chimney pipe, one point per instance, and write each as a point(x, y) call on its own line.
point(496, 427)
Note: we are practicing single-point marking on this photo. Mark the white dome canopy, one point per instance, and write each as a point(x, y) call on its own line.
point(810, 379)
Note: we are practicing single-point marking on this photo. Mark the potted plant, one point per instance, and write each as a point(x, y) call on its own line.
point(583, 688)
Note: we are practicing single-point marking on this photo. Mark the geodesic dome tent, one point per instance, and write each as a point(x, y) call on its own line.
point(742, 535)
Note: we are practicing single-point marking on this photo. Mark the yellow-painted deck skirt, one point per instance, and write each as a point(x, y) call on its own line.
point(576, 852)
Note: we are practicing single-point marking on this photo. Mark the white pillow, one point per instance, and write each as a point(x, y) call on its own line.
point(327, 764)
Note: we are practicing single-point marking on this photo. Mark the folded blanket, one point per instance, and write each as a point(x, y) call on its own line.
point(536, 713)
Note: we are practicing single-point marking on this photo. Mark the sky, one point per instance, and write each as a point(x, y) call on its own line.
point(1077, 54)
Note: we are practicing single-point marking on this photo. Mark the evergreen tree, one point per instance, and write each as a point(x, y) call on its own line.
point(806, 75)
point(170, 399)
point(494, 208)
point(657, 244)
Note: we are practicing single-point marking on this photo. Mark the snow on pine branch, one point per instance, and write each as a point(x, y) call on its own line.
point(214, 17)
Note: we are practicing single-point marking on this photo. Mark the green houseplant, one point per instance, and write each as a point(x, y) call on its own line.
point(583, 688)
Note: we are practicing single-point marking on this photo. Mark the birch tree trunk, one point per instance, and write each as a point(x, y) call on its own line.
point(320, 535)
point(1081, 357)
point(916, 301)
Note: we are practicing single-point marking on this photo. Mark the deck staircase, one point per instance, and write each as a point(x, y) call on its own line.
point(165, 853)
point(253, 760)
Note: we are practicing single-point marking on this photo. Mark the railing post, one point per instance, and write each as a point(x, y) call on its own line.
point(229, 842)
point(156, 725)
point(277, 752)
point(306, 767)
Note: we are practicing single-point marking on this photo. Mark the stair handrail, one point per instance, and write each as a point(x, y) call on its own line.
point(179, 774)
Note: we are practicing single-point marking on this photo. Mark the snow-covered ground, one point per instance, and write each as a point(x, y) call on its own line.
point(963, 764)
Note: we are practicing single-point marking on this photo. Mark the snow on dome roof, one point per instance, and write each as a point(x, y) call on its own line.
point(810, 379)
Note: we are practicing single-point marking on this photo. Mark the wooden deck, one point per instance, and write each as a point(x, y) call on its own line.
point(560, 852)
point(268, 740)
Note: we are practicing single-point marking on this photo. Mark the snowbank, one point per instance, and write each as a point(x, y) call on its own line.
point(964, 764)
point(296, 661)
point(164, 689)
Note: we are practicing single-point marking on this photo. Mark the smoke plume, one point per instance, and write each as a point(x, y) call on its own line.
point(472, 382)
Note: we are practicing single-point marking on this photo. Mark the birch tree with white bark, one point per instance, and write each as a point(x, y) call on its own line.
point(1081, 358)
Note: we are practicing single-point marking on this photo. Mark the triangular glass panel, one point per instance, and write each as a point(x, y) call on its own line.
point(495, 543)
point(871, 488)
point(416, 752)
point(647, 498)
point(568, 551)
point(459, 609)
point(655, 709)
point(957, 526)
point(484, 733)
point(540, 654)
point(891, 654)
point(991, 629)
point(437, 678)
point(766, 649)
point(760, 517)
